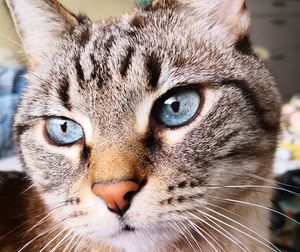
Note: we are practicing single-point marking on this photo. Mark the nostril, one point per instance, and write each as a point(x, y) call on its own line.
point(128, 196)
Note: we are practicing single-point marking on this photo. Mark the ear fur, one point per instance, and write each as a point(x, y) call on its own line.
point(40, 23)
point(232, 14)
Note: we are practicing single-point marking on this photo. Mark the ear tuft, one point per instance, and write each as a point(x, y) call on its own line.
point(40, 24)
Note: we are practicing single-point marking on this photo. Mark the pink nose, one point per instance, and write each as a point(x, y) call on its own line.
point(116, 195)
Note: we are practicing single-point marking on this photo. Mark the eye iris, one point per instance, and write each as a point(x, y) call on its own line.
point(178, 108)
point(63, 131)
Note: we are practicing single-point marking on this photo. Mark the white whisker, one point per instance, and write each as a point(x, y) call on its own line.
point(61, 241)
point(12, 40)
point(241, 225)
point(49, 231)
point(199, 231)
point(69, 243)
point(236, 229)
point(75, 242)
point(256, 205)
point(183, 234)
point(227, 235)
point(53, 239)
point(43, 220)
point(193, 238)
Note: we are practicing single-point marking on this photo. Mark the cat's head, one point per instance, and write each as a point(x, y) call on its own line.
point(133, 124)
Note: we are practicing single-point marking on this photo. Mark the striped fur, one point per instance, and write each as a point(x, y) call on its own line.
point(107, 76)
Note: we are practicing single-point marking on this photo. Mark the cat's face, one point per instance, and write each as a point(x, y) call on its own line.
point(169, 99)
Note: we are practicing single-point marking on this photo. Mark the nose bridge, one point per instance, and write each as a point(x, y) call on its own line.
point(114, 164)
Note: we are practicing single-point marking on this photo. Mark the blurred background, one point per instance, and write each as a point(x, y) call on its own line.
point(276, 36)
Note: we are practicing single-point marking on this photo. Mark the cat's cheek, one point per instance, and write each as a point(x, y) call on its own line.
point(87, 216)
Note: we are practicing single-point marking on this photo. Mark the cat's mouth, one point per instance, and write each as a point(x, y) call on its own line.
point(128, 228)
point(125, 229)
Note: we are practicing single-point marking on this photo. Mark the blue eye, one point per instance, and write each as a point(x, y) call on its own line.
point(63, 131)
point(178, 107)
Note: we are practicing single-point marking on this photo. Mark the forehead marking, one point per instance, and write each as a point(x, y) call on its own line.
point(153, 66)
point(79, 72)
point(96, 73)
point(126, 62)
point(63, 93)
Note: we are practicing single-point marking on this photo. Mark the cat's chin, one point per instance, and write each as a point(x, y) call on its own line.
point(141, 240)
point(125, 237)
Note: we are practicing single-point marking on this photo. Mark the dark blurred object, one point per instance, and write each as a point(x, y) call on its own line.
point(286, 232)
point(290, 181)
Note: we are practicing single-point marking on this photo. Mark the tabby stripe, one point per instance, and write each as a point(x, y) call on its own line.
point(79, 72)
point(63, 93)
point(138, 22)
point(126, 62)
point(153, 66)
point(252, 101)
point(96, 73)
point(224, 140)
point(20, 129)
point(85, 154)
point(84, 37)
point(151, 143)
point(108, 44)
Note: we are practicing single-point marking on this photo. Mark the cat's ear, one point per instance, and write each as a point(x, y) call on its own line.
point(235, 16)
point(232, 14)
point(40, 24)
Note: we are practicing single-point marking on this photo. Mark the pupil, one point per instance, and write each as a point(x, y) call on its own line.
point(64, 127)
point(175, 106)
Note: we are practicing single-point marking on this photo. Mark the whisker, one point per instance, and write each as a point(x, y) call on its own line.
point(256, 205)
point(27, 189)
point(199, 231)
point(51, 230)
point(11, 40)
point(241, 225)
point(80, 244)
point(19, 226)
point(75, 242)
point(182, 234)
point(43, 220)
point(213, 237)
point(69, 243)
point(236, 229)
point(272, 182)
point(231, 213)
point(53, 239)
point(61, 241)
point(23, 224)
point(227, 235)
point(267, 187)
point(193, 238)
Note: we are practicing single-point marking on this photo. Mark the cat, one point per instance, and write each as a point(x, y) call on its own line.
point(154, 131)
